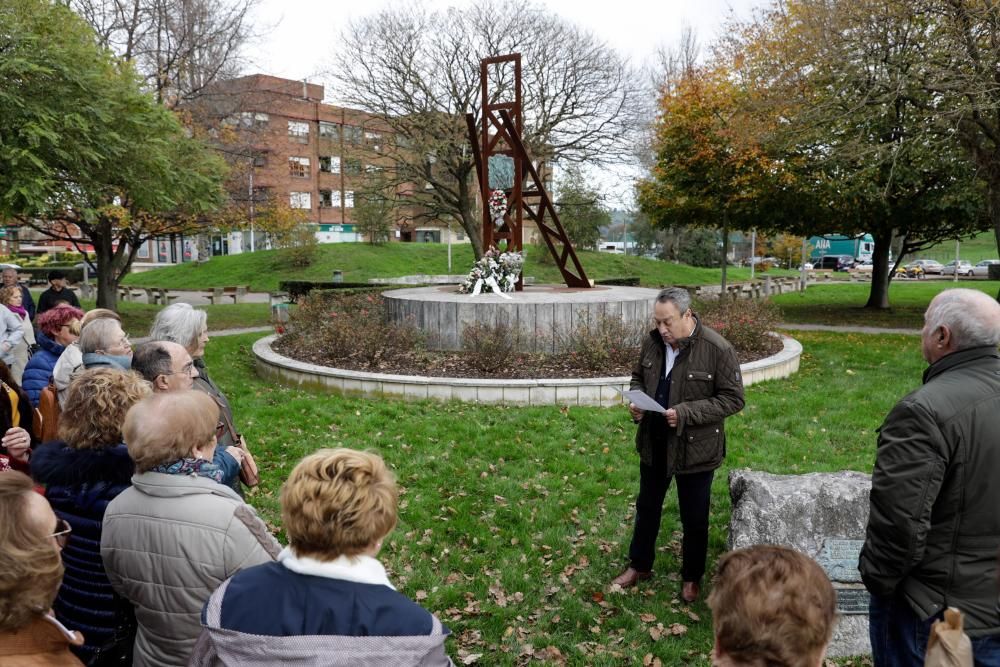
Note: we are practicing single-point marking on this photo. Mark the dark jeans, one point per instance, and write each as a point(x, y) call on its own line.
point(694, 495)
point(899, 636)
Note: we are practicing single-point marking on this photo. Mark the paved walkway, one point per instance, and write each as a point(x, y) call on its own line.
point(848, 329)
point(220, 332)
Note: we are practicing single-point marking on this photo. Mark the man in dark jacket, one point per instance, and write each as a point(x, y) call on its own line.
point(694, 374)
point(934, 527)
point(56, 293)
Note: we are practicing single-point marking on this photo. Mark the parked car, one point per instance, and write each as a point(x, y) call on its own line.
point(983, 267)
point(926, 265)
point(834, 262)
point(964, 268)
point(865, 266)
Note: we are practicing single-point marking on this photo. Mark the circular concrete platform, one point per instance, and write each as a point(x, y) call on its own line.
point(547, 312)
point(541, 391)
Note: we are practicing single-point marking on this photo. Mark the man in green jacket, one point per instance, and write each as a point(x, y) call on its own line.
point(694, 374)
point(934, 525)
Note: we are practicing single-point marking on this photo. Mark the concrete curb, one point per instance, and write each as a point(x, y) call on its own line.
point(577, 391)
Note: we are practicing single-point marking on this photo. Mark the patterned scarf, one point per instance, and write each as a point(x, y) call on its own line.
point(196, 467)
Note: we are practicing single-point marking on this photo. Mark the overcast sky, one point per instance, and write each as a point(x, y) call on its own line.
point(300, 35)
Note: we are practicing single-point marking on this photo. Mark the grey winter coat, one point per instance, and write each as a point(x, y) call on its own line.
point(169, 541)
point(933, 528)
point(706, 387)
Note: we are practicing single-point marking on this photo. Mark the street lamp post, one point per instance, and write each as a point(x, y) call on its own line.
point(251, 203)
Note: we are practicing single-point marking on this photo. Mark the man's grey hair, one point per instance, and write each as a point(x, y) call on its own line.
point(99, 335)
point(179, 323)
point(9, 268)
point(679, 296)
point(151, 360)
point(973, 317)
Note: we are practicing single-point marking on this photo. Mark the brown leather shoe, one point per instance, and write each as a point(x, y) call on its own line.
point(630, 577)
point(690, 591)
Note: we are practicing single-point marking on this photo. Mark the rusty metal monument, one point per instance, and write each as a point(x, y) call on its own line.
point(499, 134)
point(549, 314)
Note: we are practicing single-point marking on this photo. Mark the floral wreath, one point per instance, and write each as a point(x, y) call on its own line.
point(495, 270)
point(498, 206)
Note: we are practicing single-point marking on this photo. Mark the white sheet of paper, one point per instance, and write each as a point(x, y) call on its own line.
point(643, 401)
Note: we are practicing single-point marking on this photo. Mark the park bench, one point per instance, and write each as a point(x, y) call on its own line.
point(217, 294)
point(129, 293)
point(160, 295)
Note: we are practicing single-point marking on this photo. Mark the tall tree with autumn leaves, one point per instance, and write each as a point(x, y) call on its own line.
point(840, 88)
point(710, 169)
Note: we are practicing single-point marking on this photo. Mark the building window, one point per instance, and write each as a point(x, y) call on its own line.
point(373, 169)
point(348, 199)
point(329, 164)
point(261, 193)
point(329, 130)
point(300, 199)
point(373, 140)
point(260, 160)
point(247, 119)
point(352, 134)
point(329, 198)
point(298, 131)
point(299, 167)
point(352, 166)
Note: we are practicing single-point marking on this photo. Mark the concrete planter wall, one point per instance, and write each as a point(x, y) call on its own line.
point(585, 391)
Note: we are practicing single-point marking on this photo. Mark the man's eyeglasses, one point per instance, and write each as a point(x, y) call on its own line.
point(61, 536)
point(186, 369)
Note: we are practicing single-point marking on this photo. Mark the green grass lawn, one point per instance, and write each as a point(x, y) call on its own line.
point(138, 317)
point(982, 246)
point(513, 520)
point(264, 270)
point(843, 303)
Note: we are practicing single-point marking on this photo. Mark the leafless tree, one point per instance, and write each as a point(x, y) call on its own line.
point(419, 70)
point(178, 46)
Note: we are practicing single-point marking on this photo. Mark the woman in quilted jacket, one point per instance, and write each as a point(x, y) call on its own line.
point(57, 328)
point(82, 473)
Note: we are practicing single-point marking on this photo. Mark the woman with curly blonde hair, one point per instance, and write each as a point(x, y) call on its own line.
point(11, 298)
point(82, 473)
point(30, 539)
point(327, 599)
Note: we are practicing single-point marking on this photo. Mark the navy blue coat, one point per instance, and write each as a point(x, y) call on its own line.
point(39, 368)
point(272, 600)
point(79, 484)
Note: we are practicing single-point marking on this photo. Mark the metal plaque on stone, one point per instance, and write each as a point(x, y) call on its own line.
point(839, 558)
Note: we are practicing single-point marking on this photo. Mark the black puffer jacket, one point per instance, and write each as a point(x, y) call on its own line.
point(79, 484)
point(706, 387)
point(934, 526)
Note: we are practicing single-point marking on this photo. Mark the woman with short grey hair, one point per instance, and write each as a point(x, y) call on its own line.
point(188, 326)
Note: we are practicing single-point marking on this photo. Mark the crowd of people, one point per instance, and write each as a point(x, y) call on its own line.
point(126, 539)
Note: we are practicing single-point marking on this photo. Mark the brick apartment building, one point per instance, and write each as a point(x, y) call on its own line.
point(292, 147)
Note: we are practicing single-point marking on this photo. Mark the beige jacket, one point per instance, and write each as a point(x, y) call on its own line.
point(167, 544)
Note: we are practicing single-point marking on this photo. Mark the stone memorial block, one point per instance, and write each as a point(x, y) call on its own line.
point(823, 515)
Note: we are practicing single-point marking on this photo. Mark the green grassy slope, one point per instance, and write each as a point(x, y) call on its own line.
point(264, 270)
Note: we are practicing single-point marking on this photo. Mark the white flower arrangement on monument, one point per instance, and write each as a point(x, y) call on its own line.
point(498, 206)
point(495, 270)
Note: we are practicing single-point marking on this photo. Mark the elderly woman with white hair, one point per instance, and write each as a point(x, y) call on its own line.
point(187, 326)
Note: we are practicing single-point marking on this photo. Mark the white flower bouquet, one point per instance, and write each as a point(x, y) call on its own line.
point(495, 270)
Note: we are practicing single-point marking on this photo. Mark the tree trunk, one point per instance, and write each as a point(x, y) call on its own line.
point(725, 255)
point(107, 275)
point(996, 234)
point(878, 296)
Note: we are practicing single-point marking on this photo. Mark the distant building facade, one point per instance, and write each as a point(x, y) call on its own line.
point(286, 144)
